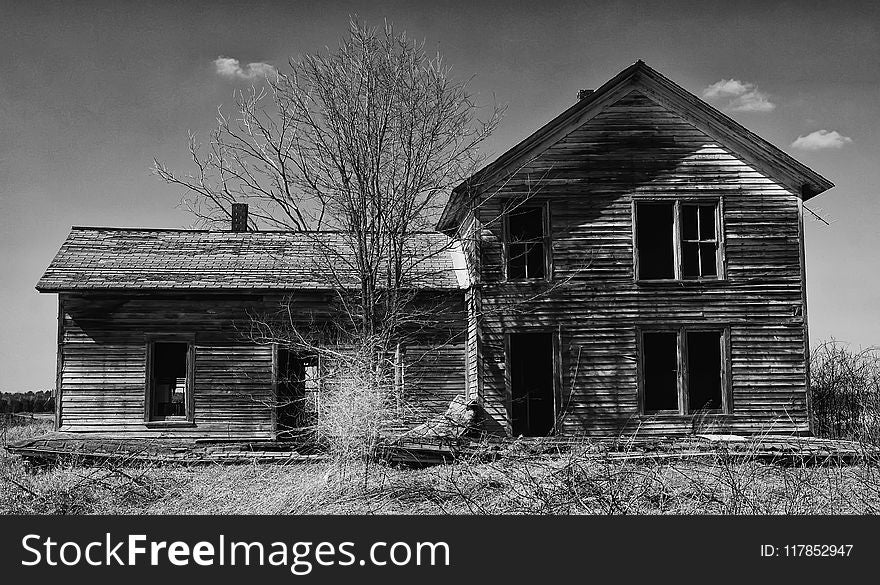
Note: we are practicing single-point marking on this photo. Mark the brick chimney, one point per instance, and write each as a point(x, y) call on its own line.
point(239, 217)
point(582, 93)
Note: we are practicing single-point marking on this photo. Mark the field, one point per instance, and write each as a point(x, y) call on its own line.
point(518, 482)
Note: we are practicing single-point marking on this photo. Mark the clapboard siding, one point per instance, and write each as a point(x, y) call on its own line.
point(103, 378)
point(103, 347)
point(637, 148)
point(433, 376)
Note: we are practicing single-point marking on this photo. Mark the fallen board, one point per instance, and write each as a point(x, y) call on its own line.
point(57, 446)
point(782, 450)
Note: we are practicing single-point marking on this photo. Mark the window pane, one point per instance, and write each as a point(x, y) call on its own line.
point(707, 222)
point(690, 252)
point(654, 238)
point(660, 363)
point(516, 261)
point(704, 370)
point(708, 259)
point(689, 222)
point(535, 261)
point(169, 379)
point(526, 224)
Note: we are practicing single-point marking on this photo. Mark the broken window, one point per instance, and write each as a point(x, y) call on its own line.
point(169, 380)
point(525, 243)
point(677, 240)
point(654, 230)
point(682, 371)
point(703, 370)
point(660, 365)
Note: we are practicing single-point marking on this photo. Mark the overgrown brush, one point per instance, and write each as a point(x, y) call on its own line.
point(845, 392)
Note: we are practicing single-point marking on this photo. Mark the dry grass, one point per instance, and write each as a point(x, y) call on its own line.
point(518, 482)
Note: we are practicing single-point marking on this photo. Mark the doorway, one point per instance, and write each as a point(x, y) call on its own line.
point(532, 404)
point(296, 407)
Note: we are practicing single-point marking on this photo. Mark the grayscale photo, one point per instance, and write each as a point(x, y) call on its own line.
point(428, 259)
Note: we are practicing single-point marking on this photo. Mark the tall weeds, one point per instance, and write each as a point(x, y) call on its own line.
point(845, 392)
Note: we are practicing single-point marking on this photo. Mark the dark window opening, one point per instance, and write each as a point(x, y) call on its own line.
point(168, 380)
point(533, 413)
point(660, 363)
point(704, 370)
point(298, 394)
point(526, 246)
point(654, 238)
point(696, 244)
point(664, 389)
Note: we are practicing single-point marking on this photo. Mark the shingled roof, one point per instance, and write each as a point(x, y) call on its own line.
point(135, 259)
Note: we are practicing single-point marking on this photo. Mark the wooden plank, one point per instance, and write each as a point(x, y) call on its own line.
point(637, 149)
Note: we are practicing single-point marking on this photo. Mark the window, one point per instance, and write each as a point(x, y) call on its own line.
point(683, 371)
point(525, 243)
point(677, 240)
point(169, 381)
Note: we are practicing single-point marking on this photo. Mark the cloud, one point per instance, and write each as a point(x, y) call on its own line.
point(232, 69)
point(741, 96)
point(820, 140)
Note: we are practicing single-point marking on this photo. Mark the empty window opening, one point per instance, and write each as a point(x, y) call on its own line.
point(704, 370)
point(660, 364)
point(526, 247)
point(677, 241)
point(168, 380)
point(699, 388)
point(699, 243)
point(532, 409)
point(298, 394)
point(654, 238)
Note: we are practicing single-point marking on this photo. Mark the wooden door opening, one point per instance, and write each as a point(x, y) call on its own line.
point(532, 405)
point(297, 396)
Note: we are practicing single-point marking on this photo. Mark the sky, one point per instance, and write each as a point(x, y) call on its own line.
point(91, 92)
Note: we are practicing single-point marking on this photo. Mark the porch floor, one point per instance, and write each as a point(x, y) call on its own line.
point(426, 451)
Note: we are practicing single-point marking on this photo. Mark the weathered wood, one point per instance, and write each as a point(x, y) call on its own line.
point(103, 374)
point(590, 179)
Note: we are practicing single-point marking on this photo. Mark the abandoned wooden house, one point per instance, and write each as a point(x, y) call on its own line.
point(636, 264)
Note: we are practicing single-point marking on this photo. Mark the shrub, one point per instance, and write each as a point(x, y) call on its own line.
point(845, 389)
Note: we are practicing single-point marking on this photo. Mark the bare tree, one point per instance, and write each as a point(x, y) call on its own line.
point(366, 140)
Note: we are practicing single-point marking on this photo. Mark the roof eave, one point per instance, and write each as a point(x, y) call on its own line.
point(808, 183)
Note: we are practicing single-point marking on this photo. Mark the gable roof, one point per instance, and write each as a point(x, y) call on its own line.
point(765, 157)
point(105, 259)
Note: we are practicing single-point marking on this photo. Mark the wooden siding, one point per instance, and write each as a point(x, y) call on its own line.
point(103, 349)
point(636, 148)
point(433, 376)
point(104, 366)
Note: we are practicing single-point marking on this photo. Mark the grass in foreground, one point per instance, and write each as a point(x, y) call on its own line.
point(516, 483)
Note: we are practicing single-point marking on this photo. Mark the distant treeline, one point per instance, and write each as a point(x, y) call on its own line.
point(27, 402)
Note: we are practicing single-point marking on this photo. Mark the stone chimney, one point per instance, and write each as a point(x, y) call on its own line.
point(582, 93)
point(239, 217)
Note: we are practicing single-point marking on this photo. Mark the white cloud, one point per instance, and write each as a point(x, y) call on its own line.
point(821, 139)
point(231, 68)
point(741, 96)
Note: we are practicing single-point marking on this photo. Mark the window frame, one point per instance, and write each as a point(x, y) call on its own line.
point(678, 238)
point(681, 332)
point(189, 417)
point(544, 206)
